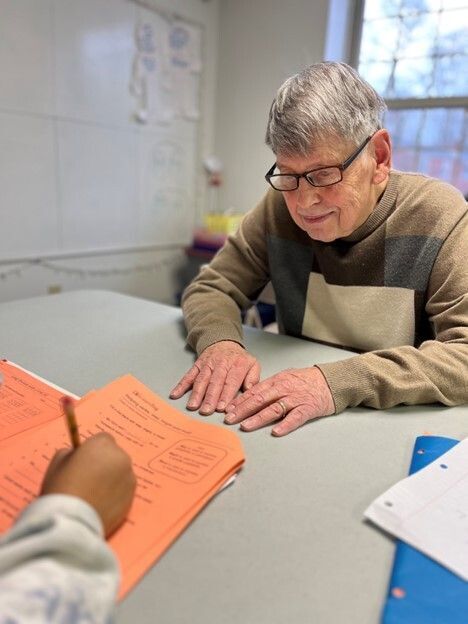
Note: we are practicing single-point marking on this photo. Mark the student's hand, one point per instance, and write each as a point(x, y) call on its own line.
point(293, 397)
point(218, 374)
point(100, 473)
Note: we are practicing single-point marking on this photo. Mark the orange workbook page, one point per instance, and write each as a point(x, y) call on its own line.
point(180, 463)
point(26, 401)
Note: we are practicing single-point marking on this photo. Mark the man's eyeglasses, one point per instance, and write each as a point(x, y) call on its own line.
point(324, 176)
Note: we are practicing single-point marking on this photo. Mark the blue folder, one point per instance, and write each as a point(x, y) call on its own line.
point(421, 591)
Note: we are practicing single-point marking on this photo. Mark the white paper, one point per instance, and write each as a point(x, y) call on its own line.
point(429, 510)
point(186, 66)
point(46, 381)
point(227, 483)
point(151, 82)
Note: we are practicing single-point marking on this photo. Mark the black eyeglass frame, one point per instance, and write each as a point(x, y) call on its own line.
point(344, 165)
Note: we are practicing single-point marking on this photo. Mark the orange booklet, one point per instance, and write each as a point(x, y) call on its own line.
point(180, 462)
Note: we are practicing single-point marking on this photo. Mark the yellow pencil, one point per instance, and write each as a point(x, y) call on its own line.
point(72, 425)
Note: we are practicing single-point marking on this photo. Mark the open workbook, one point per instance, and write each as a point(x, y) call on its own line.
point(180, 463)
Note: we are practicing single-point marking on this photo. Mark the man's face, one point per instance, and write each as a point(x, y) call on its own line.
point(330, 212)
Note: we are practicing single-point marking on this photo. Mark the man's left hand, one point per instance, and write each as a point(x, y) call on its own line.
point(294, 396)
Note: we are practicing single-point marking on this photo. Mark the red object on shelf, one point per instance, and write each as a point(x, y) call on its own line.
point(205, 244)
point(203, 254)
point(206, 239)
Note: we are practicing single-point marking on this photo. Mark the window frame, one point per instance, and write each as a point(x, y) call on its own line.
point(397, 103)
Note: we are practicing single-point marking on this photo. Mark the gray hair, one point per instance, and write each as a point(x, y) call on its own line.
point(324, 100)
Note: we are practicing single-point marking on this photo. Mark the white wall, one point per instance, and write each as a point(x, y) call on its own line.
point(69, 145)
point(156, 275)
point(261, 43)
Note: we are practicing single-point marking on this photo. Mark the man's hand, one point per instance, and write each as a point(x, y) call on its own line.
point(216, 377)
point(293, 396)
point(100, 473)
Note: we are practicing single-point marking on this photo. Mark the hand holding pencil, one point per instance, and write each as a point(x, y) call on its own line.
point(99, 472)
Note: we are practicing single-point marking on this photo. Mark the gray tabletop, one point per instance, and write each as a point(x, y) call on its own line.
point(287, 542)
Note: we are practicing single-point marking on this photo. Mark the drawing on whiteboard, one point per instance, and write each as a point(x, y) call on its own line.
point(166, 70)
point(167, 186)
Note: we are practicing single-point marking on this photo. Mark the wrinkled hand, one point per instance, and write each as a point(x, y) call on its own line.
point(216, 377)
point(295, 396)
point(100, 473)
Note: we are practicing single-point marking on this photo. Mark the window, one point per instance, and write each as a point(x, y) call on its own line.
point(415, 54)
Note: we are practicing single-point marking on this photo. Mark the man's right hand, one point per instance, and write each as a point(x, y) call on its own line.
point(100, 473)
point(217, 375)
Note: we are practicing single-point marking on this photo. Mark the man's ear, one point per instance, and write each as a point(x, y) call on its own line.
point(382, 155)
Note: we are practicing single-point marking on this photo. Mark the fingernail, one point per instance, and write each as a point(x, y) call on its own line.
point(206, 409)
point(221, 406)
point(230, 408)
point(229, 418)
point(245, 426)
point(191, 405)
point(248, 386)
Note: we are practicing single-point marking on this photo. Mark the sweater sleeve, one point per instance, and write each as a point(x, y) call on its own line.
point(437, 371)
point(56, 567)
point(212, 303)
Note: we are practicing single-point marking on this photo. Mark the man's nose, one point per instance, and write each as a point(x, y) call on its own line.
point(308, 194)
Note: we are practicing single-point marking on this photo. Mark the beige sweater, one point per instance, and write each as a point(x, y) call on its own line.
point(395, 291)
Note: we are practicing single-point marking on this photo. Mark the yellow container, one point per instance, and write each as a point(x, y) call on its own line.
point(217, 223)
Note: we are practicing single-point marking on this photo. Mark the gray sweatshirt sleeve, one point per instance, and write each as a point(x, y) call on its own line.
point(56, 567)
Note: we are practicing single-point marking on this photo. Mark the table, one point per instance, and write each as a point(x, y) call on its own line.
point(287, 542)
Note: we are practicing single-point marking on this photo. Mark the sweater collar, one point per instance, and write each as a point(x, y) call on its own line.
point(382, 209)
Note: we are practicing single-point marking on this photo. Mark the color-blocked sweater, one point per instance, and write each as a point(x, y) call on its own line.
point(395, 291)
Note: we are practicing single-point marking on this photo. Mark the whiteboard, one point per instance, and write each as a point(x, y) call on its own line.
point(79, 171)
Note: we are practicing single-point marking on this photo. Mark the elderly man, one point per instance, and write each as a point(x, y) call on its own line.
point(360, 256)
